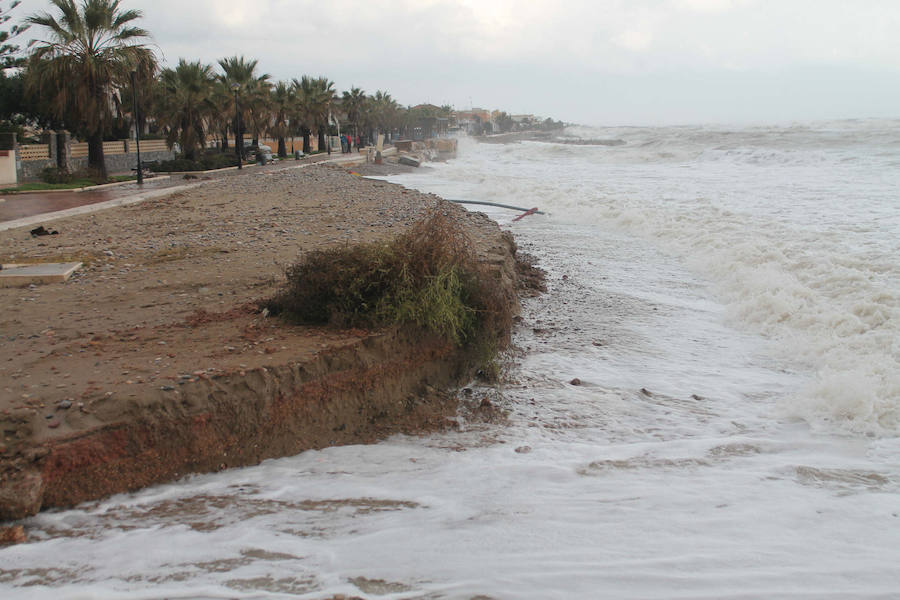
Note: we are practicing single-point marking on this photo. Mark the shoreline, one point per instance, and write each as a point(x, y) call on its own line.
point(151, 362)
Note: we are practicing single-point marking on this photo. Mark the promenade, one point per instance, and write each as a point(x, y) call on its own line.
point(22, 209)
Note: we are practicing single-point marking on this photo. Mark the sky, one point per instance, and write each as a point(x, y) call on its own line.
point(598, 62)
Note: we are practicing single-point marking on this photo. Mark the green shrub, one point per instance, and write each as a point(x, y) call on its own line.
point(56, 175)
point(427, 277)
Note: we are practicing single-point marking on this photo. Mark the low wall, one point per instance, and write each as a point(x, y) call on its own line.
point(30, 170)
point(124, 163)
point(7, 167)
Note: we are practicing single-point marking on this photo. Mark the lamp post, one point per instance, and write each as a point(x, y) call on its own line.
point(238, 134)
point(137, 128)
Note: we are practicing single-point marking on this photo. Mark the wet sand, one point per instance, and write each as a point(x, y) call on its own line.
point(160, 327)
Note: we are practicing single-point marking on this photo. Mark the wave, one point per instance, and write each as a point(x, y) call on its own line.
point(795, 227)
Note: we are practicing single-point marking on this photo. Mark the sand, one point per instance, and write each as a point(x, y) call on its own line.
point(166, 299)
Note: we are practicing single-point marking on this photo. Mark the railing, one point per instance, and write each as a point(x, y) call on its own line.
point(34, 152)
point(79, 150)
point(117, 147)
point(150, 146)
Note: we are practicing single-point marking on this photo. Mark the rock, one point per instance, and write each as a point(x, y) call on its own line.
point(408, 161)
point(523, 449)
point(575, 381)
point(65, 404)
point(13, 535)
point(21, 496)
point(485, 402)
point(40, 230)
point(646, 392)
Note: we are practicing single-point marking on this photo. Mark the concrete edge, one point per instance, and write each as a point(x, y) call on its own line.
point(103, 186)
point(89, 188)
point(90, 208)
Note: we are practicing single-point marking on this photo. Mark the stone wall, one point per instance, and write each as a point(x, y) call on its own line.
point(60, 154)
point(30, 170)
point(123, 163)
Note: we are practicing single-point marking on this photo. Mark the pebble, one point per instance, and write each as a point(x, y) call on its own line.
point(13, 535)
point(575, 381)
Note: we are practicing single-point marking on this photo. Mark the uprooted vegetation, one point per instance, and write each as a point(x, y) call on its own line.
point(428, 277)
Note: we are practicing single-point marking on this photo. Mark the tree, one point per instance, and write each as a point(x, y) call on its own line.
point(302, 113)
point(282, 102)
point(504, 122)
point(354, 103)
point(385, 113)
point(253, 94)
point(186, 104)
point(315, 96)
point(8, 50)
point(91, 50)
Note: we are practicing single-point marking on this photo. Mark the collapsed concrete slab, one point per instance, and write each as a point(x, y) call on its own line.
point(20, 275)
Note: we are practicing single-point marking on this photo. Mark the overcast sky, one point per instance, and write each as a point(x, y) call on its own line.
point(588, 61)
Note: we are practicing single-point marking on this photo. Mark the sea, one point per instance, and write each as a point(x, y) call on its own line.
point(705, 403)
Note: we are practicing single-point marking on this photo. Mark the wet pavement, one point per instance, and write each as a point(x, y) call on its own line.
point(19, 206)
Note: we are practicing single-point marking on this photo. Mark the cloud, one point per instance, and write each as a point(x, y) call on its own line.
point(543, 56)
point(634, 39)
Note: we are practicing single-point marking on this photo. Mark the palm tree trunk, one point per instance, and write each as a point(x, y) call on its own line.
point(307, 147)
point(225, 140)
point(95, 155)
point(322, 145)
point(282, 147)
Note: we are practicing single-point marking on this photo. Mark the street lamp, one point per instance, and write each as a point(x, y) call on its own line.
point(137, 128)
point(238, 134)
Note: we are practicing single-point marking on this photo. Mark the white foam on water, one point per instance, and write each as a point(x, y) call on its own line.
point(708, 452)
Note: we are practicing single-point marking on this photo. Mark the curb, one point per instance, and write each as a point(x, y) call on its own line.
point(89, 188)
point(89, 208)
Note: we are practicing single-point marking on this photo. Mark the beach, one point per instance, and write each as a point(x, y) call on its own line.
point(125, 375)
point(702, 404)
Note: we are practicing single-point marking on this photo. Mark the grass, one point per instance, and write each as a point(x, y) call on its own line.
point(427, 278)
point(71, 185)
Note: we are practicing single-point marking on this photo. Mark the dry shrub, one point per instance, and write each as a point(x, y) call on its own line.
point(427, 277)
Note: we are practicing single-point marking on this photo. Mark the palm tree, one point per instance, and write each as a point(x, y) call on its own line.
point(223, 116)
point(282, 103)
point(8, 50)
point(186, 105)
point(385, 113)
point(302, 114)
point(252, 92)
point(91, 50)
point(354, 103)
point(316, 96)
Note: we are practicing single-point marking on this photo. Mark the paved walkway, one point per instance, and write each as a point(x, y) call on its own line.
point(19, 210)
